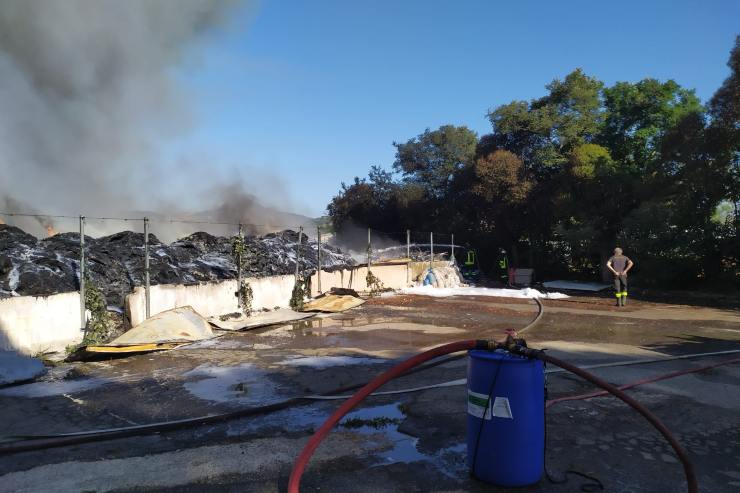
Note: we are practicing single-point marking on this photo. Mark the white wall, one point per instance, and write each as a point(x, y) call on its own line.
point(209, 299)
point(213, 299)
point(393, 275)
point(33, 324)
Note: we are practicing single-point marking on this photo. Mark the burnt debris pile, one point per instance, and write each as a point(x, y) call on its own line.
point(115, 263)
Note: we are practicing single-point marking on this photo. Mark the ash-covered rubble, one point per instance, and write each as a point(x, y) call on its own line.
point(115, 263)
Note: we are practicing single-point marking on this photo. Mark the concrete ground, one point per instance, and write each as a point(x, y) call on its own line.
point(406, 442)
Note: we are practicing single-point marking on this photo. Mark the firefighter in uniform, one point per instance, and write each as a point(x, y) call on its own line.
point(620, 265)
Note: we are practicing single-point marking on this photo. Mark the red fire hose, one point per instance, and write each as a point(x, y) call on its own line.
point(688, 467)
point(512, 346)
point(349, 404)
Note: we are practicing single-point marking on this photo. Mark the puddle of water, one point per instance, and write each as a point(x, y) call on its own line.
point(300, 419)
point(404, 446)
point(451, 461)
point(328, 361)
point(287, 420)
point(368, 335)
point(283, 331)
point(241, 384)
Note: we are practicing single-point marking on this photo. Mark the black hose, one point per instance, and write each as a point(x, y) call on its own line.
point(61, 440)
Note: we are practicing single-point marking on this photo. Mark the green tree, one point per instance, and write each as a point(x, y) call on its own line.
point(432, 159)
point(637, 117)
point(564, 177)
point(543, 131)
point(724, 133)
point(500, 191)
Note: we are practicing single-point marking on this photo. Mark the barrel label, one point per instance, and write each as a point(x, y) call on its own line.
point(480, 407)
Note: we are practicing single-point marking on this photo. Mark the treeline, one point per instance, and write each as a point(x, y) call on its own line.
point(564, 178)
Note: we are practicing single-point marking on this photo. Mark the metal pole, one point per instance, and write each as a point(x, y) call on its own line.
point(301, 249)
point(83, 321)
point(298, 253)
point(368, 249)
point(146, 267)
point(318, 258)
point(239, 268)
point(453, 248)
point(431, 249)
point(408, 256)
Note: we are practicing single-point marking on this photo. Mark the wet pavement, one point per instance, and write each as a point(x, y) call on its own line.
point(404, 442)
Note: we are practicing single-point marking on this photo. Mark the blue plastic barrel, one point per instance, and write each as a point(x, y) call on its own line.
point(506, 432)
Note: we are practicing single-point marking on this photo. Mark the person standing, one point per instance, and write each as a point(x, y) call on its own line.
point(620, 265)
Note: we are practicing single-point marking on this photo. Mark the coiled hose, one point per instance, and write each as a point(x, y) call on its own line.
point(510, 345)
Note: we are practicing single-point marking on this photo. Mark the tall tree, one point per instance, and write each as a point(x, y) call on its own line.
point(500, 191)
point(544, 130)
point(566, 176)
point(724, 134)
point(432, 159)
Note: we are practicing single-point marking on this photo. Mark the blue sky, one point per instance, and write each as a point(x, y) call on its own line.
point(309, 94)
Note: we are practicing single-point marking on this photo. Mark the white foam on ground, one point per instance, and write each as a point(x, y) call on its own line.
point(52, 388)
point(327, 361)
point(471, 291)
point(17, 368)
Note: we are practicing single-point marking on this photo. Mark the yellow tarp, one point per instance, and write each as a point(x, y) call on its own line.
point(332, 303)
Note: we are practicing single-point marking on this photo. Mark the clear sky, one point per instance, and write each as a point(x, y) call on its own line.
point(311, 93)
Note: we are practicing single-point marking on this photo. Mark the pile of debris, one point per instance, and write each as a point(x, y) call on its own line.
point(115, 263)
point(442, 277)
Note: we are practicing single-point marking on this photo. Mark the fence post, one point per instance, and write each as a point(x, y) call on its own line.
point(146, 267)
point(431, 249)
point(299, 251)
point(83, 321)
point(318, 258)
point(408, 256)
point(453, 248)
point(239, 268)
point(297, 256)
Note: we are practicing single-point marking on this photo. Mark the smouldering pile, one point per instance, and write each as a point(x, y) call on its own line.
point(115, 263)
